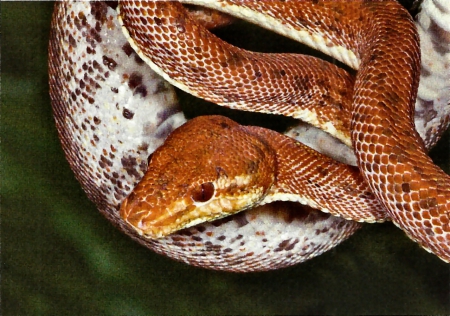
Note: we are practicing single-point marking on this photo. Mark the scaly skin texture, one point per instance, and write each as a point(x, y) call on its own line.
point(112, 112)
point(213, 167)
point(383, 44)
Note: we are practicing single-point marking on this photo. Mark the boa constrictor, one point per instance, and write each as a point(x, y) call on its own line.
point(111, 114)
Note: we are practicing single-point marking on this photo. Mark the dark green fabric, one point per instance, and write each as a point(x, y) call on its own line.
point(61, 257)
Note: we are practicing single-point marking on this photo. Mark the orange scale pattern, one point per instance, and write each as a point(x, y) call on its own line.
point(369, 30)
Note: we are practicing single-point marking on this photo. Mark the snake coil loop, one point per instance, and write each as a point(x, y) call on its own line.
point(112, 113)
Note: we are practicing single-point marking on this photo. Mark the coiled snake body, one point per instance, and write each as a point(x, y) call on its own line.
point(96, 131)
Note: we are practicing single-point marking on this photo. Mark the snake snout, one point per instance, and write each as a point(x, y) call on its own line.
point(132, 211)
point(152, 220)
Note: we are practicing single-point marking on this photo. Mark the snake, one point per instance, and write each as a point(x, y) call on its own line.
point(97, 132)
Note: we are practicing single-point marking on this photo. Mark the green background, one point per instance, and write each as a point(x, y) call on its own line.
point(60, 256)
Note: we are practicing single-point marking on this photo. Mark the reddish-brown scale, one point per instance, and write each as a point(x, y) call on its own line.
point(77, 48)
point(369, 30)
point(185, 171)
point(255, 69)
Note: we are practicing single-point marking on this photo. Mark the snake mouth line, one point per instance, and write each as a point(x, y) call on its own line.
point(160, 219)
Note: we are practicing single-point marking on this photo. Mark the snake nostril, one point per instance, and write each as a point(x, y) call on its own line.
point(149, 159)
point(203, 192)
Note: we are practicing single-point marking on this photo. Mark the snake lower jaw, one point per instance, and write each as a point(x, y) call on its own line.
point(156, 223)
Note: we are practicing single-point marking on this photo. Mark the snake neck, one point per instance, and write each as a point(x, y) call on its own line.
point(306, 176)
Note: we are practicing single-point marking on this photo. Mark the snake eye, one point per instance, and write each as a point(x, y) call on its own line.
point(203, 192)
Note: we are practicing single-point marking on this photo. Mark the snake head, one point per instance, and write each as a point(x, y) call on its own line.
point(208, 168)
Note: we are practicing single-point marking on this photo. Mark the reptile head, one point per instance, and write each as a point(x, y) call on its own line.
point(208, 168)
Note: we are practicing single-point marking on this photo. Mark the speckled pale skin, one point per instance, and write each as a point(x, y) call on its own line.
point(390, 154)
point(108, 165)
point(432, 110)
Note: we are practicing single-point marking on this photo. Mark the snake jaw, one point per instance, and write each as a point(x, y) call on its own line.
point(159, 218)
point(154, 222)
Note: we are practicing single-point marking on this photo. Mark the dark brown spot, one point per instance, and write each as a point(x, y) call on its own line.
point(109, 62)
point(135, 80)
point(142, 90)
point(106, 160)
point(130, 165)
point(138, 59)
point(99, 10)
point(127, 49)
point(224, 220)
point(286, 245)
point(406, 188)
point(97, 66)
point(143, 20)
point(72, 41)
point(224, 125)
point(127, 114)
point(158, 21)
point(112, 4)
point(143, 147)
point(96, 36)
point(201, 228)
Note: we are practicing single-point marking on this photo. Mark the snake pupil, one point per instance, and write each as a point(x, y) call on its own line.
point(204, 192)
